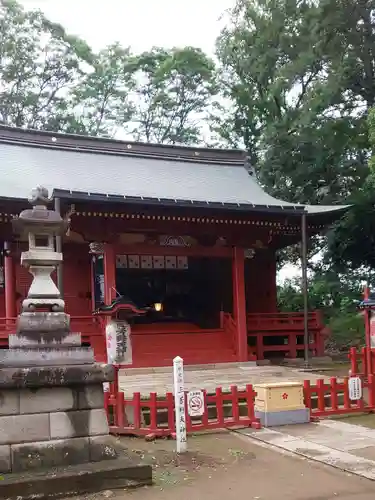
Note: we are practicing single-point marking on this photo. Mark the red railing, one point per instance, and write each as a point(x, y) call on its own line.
point(287, 326)
point(359, 361)
point(155, 415)
point(283, 320)
point(331, 399)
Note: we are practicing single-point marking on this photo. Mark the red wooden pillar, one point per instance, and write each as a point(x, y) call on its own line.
point(10, 283)
point(239, 302)
point(367, 314)
point(109, 264)
point(109, 257)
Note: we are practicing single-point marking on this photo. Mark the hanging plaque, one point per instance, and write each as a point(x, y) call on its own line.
point(119, 347)
point(98, 271)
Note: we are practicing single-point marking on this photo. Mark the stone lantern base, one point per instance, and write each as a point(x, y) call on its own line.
point(53, 417)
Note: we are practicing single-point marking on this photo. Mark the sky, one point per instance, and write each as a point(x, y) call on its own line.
point(140, 24)
point(143, 24)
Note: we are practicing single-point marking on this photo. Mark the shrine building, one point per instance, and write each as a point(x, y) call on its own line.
point(185, 234)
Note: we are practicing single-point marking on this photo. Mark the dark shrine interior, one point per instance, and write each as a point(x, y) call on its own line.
point(195, 294)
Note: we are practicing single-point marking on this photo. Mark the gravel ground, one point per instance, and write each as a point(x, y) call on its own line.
point(224, 465)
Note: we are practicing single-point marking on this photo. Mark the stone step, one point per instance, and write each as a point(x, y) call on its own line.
point(75, 480)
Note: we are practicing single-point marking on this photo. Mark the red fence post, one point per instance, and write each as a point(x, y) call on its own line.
point(363, 361)
point(353, 361)
point(235, 407)
point(334, 398)
point(219, 405)
point(153, 412)
point(320, 392)
point(170, 408)
point(347, 404)
point(137, 410)
point(371, 391)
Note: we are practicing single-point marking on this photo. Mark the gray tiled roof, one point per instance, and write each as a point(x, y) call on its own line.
point(23, 166)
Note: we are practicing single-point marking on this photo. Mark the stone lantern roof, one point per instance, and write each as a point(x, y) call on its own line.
point(39, 219)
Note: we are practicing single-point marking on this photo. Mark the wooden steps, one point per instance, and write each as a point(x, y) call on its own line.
point(195, 347)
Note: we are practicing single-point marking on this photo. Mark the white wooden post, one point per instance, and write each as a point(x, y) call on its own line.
point(179, 403)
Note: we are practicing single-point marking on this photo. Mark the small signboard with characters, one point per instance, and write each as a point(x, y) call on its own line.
point(118, 339)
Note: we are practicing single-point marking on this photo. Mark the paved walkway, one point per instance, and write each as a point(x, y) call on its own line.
point(209, 378)
point(345, 446)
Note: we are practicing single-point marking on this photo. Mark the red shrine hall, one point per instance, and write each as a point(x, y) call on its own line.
point(186, 235)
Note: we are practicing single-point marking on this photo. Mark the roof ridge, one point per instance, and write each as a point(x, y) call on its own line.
point(31, 137)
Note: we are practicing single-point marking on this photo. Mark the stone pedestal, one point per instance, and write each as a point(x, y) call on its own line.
point(53, 416)
point(54, 438)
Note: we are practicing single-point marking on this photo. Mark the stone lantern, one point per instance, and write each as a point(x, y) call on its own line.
point(40, 226)
point(52, 412)
point(43, 319)
point(43, 328)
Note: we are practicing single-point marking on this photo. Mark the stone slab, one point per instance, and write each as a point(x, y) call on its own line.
point(9, 402)
point(102, 448)
point(5, 461)
point(90, 397)
point(46, 356)
point(320, 453)
point(24, 428)
point(19, 340)
point(78, 424)
point(285, 417)
point(55, 376)
point(75, 480)
point(37, 323)
point(47, 454)
point(47, 400)
point(368, 452)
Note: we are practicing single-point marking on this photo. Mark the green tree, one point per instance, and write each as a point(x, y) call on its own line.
point(100, 104)
point(39, 64)
point(336, 295)
point(351, 243)
point(172, 96)
point(371, 133)
point(289, 72)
